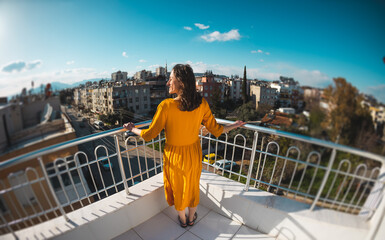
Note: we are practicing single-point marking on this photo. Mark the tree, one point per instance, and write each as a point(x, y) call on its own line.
point(317, 116)
point(262, 109)
point(244, 87)
point(216, 105)
point(246, 112)
point(346, 118)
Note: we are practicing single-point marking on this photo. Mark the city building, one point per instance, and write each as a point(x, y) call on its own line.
point(160, 71)
point(109, 99)
point(311, 96)
point(142, 75)
point(26, 125)
point(263, 95)
point(290, 93)
point(119, 76)
point(210, 85)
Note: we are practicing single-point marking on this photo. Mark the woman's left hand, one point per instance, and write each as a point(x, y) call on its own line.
point(129, 126)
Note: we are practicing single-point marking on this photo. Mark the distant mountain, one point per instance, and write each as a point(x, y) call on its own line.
point(57, 86)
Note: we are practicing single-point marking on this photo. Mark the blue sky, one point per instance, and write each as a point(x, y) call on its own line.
point(313, 41)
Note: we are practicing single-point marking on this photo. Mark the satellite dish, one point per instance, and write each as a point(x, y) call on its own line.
point(46, 116)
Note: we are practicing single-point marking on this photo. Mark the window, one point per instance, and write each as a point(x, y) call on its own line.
point(144, 90)
point(130, 100)
point(24, 194)
point(3, 207)
point(137, 99)
point(145, 106)
point(136, 91)
point(137, 107)
point(145, 98)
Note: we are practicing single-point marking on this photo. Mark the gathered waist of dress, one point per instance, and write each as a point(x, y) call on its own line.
point(197, 141)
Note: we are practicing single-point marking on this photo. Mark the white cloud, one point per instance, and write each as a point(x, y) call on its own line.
point(260, 51)
point(261, 60)
point(23, 80)
point(377, 92)
point(259, 73)
point(124, 54)
point(201, 26)
point(70, 62)
point(314, 78)
point(222, 37)
point(153, 67)
point(187, 28)
point(142, 61)
point(269, 72)
point(20, 66)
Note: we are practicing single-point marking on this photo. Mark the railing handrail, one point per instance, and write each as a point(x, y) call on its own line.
point(316, 141)
point(63, 145)
point(77, 141)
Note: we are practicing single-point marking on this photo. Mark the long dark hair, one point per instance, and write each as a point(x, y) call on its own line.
point(190, 98)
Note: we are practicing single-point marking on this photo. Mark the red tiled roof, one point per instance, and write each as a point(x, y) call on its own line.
point(277, 119)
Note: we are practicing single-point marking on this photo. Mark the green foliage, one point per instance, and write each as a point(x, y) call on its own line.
point(66, 96)
point(347, 120)
point(109, 119)
point(246, 112)
point(263, 109)
point(156, 145)
point(216, 106)
point(317, 116)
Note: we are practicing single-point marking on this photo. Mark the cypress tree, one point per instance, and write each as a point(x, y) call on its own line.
point(244, 87)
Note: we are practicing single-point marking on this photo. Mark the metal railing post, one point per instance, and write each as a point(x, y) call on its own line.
point(8, 227)
point(52, 190)
point(253, 150)
point(120, 161)
point(324, 180)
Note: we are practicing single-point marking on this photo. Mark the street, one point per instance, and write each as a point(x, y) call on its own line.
point(102, 175)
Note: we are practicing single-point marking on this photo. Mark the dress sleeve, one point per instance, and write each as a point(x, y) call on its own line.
point(210, 122)
point(157, 125)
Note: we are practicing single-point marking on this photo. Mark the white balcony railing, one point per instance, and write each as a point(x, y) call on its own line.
point(35, 189)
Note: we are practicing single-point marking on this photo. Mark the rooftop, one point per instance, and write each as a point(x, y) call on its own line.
point(307, 189)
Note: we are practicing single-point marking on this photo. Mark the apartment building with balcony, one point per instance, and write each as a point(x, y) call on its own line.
point(161, 71)
point(119, 76)
point(262, 94)
point(142, 75)
point(108, 99)
point(26, 125)
point(290, 93)
point(210, 85)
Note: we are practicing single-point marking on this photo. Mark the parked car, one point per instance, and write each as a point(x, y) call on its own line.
point(105, 164)
point(129, 134)
point(84, 119)
point(226, 164)
point(98, 124)
point(211, 159)
point(82, 125)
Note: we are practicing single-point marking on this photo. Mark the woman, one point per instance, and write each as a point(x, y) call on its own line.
point(181, 117)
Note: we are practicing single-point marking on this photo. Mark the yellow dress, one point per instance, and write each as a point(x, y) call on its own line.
point(182, 156)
